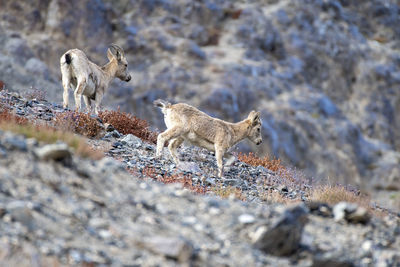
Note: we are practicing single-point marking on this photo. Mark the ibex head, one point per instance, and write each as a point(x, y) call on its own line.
point(255, 127)
point(115, 52)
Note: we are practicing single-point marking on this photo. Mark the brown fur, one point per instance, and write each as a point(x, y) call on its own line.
point(185, 122)
point(88, 79)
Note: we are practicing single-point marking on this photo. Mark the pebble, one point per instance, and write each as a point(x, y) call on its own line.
point(53, 151)
point(13, 142)
point(176, 248)
point(246, 219)
point(350, 212)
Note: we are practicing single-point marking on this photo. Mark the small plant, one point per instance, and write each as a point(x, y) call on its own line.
point(251, 159)
point(333, 194)
point(225, 192)
point(129, 124)
point(78, 122)
point(7, 116)
point(46, 134)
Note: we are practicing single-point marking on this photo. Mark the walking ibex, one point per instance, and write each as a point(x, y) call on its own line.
point(89, 79)
point(185, 122)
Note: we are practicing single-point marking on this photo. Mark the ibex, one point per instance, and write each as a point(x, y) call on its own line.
point(185, 122)
point(89, 79)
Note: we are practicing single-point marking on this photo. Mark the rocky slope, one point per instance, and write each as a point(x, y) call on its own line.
point(59, 209)
point(325, 74)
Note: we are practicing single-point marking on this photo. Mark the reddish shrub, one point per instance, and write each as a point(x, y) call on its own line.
point(273, 165)
point(78, 122)
point(129, 124)
point(7, 116)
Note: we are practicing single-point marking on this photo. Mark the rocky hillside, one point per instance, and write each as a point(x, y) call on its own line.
point(324, 74)
point(60, 206)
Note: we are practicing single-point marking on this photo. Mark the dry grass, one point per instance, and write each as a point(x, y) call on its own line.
point(228, 191)
point(7, 116)
point(273, 196)
point(129, 124)
point(46, 134)
point(275, 165)
point(78, 122)
point(333, 194)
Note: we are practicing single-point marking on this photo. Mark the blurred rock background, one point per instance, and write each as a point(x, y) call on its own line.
point(325, 74)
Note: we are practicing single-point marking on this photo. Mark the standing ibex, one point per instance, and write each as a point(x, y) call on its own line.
point(185, 122)
point(89, 79)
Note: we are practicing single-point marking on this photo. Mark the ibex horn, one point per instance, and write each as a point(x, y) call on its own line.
point(118, 48)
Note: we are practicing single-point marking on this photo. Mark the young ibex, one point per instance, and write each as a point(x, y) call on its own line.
point(89, 79)
point(185, 122)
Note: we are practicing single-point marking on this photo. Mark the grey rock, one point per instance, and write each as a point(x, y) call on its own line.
point(117, 144)
point(131, 140)
point(53, 151)
point(194, 50)
point(13, 142)
point(230, 182)
point(108, 127)
point(327, 106)
point(387, 258)
point(361, 215)
point(171, 247)
point(109, 164)
point(342, 208)
point(209, 181)
point(99, 223)
point(246, 219)
point(320, 209)
point(191, 167)
point(3, 152)
point(283, 237)
point(331, 262)
point(20, 212)
point(350, 212)
point(116, 134)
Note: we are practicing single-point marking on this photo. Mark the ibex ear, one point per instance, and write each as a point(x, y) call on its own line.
point(113, 52)
point(110, 54)
point(254, 117)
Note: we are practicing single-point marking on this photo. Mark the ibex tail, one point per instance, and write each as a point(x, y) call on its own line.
point(68, 58)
